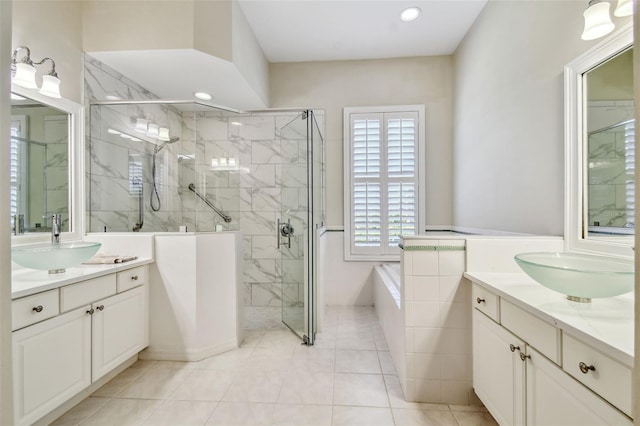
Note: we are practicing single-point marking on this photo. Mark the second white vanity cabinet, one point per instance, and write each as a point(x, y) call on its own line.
point(521, 383)
point(98, 329)
point(51, 364)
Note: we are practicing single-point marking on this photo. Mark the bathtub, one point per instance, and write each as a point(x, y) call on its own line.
point(388, 276)
point(387, 294)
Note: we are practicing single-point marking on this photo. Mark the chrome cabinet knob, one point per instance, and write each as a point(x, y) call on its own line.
point(513, 348)
point(524, 357)
point(134, 277)
point(38, 308)
point(90, 311)
point(478, 300)
point(586, 368)
point(100, 308)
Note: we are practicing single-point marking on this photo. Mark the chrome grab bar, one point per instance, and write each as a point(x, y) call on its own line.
point(226, 217)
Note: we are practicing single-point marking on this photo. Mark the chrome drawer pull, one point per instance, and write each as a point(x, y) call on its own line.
point(479, 300)
point(513, 348)
point(586, 368)
point(38, 308)
point(134, 278)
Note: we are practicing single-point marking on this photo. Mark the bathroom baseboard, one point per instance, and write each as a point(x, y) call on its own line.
point(188, 354)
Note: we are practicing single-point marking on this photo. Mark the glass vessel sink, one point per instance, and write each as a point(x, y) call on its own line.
point(579, 276)
point(54, 257)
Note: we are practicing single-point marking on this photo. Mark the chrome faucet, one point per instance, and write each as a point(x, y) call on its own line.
point(56, 228)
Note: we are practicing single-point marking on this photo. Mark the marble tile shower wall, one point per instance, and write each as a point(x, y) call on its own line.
point(608, 177)
point(119, 169)
point(267, 183)
point(56, 166)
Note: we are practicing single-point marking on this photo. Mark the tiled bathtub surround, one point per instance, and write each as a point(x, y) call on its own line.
point(437, 321)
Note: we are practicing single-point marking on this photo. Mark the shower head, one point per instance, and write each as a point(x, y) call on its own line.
point(170, 141)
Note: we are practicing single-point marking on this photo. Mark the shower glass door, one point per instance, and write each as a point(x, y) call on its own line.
point(295, 238)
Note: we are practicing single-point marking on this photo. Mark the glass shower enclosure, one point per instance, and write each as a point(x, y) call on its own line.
point(171, 166)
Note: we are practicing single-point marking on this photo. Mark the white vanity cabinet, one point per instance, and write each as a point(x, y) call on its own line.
point(498, 371)
point(119, 329)
point(97, 329)
point(518, 371)
point(554, 398)
point(51, 363)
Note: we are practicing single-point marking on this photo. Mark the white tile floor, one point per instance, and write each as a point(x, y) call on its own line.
point(346, 378)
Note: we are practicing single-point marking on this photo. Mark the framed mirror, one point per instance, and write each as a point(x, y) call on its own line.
point(600, 149)
point(46, 166)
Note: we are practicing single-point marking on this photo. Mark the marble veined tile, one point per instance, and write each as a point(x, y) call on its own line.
point(262, 270)
point(265, 152)
point(266, 199)
point(241, 413)
point(256, 128)
point(266, 294)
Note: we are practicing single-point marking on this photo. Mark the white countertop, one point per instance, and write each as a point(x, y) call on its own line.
point(605, 324)
point(25, 282)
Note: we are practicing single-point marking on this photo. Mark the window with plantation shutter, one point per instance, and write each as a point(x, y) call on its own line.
point(382, 179)
point(17, 164)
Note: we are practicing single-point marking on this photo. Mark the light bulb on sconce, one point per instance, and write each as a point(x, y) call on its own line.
point(23, 73)
point(163, 134)
point(153, 130)
point(141, 125)
point(597, 19)
point(624, 8)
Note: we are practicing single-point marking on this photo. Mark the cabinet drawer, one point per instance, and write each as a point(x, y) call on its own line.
point(541, 335)
point(131, 278)
point(609, 378)
point(86, 292)
point(486, 302)
point(31, 309)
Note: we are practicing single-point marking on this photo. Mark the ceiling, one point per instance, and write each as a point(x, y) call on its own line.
point(297, 31)
point(324, 30)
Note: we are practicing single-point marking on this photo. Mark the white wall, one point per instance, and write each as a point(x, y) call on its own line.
point(509, 123)
point(6, 392)
point(52, 29)
point(334, 85)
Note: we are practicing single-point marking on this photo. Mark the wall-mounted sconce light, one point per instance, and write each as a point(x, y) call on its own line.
point(624, 8)
point(597, 21)
point(23, 73)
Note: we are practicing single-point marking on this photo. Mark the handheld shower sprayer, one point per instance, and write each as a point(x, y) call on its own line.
point(155, 197)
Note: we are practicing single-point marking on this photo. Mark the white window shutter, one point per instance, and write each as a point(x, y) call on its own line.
point(382, 172)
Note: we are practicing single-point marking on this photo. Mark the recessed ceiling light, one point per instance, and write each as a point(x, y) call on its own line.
point(203, 95)
point(112, 97)
point(410, 13)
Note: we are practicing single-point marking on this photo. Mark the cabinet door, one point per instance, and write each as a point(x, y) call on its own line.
point(498, 372)
point(51, 363)
point(555, 398)
point(120, 329)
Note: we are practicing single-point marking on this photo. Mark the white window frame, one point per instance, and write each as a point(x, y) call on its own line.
point(383, 254)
